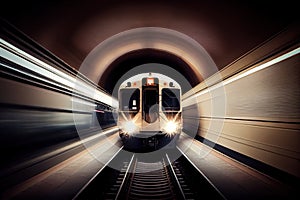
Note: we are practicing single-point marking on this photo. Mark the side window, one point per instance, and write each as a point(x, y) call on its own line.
point(129, 99)
point(170, 99)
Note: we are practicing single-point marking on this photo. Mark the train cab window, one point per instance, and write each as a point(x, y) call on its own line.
point(150, 98)
point(170, 99)
point(129, 99)
point(150, 103)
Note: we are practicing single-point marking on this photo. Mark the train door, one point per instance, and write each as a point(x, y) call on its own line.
point(150, 104)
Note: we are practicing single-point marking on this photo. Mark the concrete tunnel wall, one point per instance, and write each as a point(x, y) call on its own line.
point(262, 109)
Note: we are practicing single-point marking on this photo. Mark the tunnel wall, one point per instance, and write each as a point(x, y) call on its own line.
point(39, 107)
point(262, 119)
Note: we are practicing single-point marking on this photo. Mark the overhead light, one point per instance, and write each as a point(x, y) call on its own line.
point(150, 81)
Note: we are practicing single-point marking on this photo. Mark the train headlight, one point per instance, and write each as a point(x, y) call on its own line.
point(130, 127)
point(171, 127)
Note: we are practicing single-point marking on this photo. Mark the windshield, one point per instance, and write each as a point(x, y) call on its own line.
point(170, 99)
point(129, 99)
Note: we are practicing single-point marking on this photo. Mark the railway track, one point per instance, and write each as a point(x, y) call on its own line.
point(138, 178)
point(149, 181)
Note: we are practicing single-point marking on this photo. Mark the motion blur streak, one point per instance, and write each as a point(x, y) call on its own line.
point(249, 72)
point(59, 78)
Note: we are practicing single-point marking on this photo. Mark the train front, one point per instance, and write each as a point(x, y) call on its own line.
point(149, 112)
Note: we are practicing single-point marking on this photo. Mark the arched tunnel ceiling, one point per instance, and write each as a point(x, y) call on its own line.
point(72, 29)
point(139, 57)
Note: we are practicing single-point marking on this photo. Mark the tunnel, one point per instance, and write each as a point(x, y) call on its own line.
point(149, 100)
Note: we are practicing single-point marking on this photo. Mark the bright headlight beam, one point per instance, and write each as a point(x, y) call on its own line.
point(171, 127)
point(130, 127)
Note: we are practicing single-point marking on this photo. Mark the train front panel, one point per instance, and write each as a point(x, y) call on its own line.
point(149, 112)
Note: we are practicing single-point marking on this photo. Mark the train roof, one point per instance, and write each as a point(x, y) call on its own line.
point(162, 78)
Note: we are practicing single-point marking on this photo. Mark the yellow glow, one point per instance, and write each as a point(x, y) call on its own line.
point(171, 127)
point(130, 127)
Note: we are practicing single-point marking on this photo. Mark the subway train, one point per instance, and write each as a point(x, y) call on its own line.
point(149, 113)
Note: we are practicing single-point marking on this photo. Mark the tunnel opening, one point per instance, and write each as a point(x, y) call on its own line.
point(155, 61)
point(119, 67)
